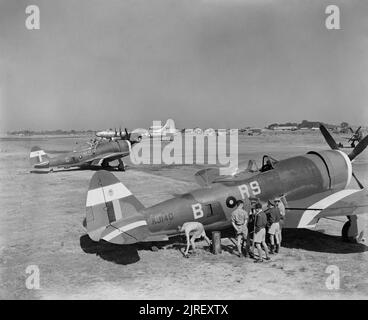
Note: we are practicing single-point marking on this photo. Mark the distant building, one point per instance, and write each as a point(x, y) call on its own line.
point(285, 128)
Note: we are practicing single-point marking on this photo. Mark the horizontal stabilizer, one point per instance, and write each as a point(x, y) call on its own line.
point(126, 231)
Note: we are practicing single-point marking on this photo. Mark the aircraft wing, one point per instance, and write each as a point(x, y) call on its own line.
point(98, 159)
point(108, 157)
point(306, 212)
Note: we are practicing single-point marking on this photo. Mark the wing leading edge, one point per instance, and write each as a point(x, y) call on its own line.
point(305, 213)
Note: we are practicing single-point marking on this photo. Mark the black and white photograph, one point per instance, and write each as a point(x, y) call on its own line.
point(187, 150)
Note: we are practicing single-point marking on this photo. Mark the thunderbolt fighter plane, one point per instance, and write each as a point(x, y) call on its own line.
point(313, 185)
point(98, 153)
point(356, 137)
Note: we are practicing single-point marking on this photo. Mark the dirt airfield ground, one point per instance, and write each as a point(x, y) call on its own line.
point(41, 224)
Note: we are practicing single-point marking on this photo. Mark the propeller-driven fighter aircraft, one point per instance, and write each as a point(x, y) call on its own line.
point(115, 135)
point(98, 153)
point(356, 137)
point(314, 186)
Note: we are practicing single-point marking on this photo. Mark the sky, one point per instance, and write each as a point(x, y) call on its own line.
point(97, 64)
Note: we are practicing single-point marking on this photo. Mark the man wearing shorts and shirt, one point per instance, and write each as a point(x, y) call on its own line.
point(281, 206)
point(239, 220)
point(196, 231)
point(273, 216)
point(260, 232)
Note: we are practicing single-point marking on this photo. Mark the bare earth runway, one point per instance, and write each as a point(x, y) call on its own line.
point(41, 224)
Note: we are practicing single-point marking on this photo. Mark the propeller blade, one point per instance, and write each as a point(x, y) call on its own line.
point(359, 148)
point(127, 135)
point(330, 141)
point(357, 130)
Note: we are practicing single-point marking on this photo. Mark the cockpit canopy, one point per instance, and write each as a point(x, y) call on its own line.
point(268, 163)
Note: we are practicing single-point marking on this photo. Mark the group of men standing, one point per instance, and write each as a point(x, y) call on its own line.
point(251, 222)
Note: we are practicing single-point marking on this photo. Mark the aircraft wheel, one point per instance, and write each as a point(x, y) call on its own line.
point(154, 248)
point(104, 164)
point(344, 231)
point(351, 233)
point(121, 167)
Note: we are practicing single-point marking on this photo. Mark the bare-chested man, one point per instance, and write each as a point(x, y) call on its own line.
point(196, 231)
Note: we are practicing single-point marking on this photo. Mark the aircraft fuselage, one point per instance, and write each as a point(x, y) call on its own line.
point(79, 158)
point(296, 178)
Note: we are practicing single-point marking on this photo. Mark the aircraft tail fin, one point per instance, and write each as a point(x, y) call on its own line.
point(113, 212)
point(39, 158)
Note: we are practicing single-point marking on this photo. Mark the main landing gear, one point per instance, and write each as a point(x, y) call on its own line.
point(121, 165)
point(106, 165)
point(353, 230)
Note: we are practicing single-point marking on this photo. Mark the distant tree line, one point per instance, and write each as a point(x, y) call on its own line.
point(305, 124)
point(49, 132)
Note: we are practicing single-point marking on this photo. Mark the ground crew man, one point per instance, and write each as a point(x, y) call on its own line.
point(273, 217)
point(260, 232)
point(251, 221)
point(280, 205)
point(239, 220)
point(196, 231)
point(251, 228)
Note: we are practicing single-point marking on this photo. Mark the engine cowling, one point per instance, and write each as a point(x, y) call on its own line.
point(338, 167)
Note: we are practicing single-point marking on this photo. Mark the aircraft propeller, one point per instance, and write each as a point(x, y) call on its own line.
point(352, 155)
point(359, 148)
point(330, 141)
point(127, 135)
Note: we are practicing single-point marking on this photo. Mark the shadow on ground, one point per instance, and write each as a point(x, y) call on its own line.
point(108, 251)
point(319, 242)
point(292, 239)
point(127, 254)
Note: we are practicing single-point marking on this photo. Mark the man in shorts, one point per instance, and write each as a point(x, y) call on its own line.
point(281, 206)
point(273, 217)
point(196, 231)
point(260, 232)
point(239, 220)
